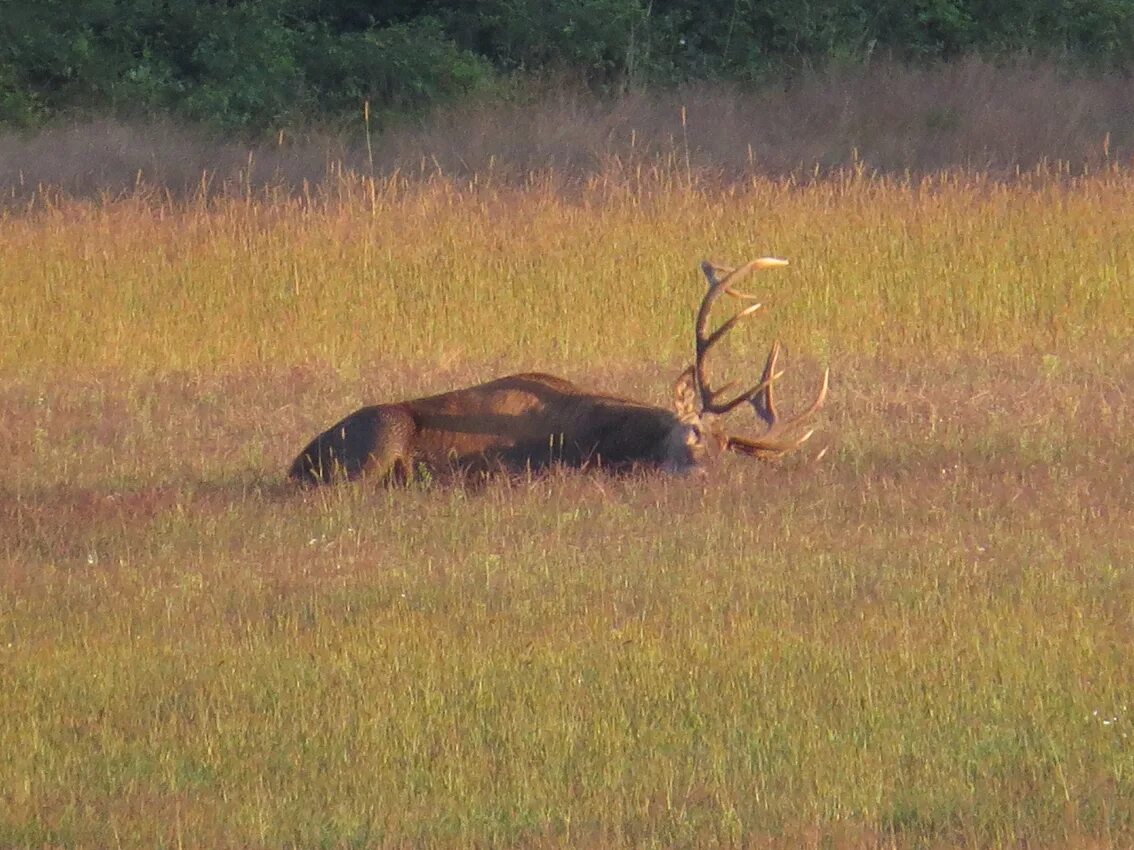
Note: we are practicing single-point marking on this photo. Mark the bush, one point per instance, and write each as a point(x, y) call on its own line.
point(256, 65)
point(401, 67)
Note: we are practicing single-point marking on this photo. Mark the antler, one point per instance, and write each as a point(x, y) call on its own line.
point(705, 341)
point(773, 441)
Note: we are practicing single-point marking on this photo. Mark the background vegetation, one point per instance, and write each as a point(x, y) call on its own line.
point(259, 66)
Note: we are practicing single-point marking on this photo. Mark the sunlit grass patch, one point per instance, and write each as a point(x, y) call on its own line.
point(396, 272)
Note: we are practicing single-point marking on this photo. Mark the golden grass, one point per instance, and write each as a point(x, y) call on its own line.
point(922, 641)
point(395, 273)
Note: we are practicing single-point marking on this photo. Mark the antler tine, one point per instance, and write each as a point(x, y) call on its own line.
point(804, 415)
point(733, 322)
point(764, 385)
point(704, 341)
point(764, 402)
point(772, 443)
point(764, 448)
point(732, 276)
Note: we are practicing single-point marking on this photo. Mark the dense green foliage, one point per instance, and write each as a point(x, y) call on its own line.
point(280, 62)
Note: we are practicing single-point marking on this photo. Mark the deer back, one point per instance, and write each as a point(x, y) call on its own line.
point(532, 420)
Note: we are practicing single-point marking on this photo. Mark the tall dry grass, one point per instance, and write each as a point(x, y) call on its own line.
point(392, 271)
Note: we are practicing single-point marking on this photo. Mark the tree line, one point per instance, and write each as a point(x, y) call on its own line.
point(258, 66)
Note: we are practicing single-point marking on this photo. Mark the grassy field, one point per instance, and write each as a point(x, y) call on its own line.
point(922, 641)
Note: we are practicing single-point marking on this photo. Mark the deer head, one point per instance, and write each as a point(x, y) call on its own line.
point(701, 435)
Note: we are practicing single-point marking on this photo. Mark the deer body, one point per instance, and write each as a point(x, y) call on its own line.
point(531, 421)
point(511, 424)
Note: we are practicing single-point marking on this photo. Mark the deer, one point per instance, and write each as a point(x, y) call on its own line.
point(532, 421)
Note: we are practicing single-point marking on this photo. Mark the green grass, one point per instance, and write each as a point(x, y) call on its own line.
point(922, 641)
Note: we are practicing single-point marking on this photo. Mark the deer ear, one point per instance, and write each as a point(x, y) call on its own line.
point(685, 395)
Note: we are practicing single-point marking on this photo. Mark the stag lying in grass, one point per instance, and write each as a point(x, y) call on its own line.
point(531, 421)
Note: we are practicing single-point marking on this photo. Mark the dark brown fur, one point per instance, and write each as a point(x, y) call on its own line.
point(511, 424)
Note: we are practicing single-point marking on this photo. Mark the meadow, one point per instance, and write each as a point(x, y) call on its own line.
point(922, 640)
